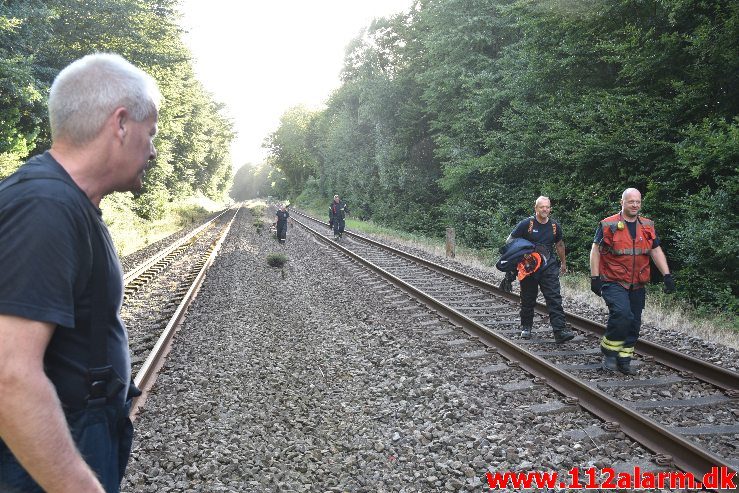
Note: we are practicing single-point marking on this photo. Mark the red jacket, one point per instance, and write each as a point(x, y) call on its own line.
point(622, 258)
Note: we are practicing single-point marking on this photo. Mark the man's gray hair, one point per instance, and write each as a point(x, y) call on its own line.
point(541, 197)
point(86, 92)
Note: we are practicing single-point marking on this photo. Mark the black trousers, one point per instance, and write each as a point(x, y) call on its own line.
point(548, 281)
point(338, 226)
point(281, 231)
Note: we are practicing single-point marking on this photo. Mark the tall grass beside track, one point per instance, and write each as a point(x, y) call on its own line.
point(131, 233)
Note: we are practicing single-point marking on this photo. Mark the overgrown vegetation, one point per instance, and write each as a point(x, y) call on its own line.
point(461, 112)
point(131, 233)
point(256, 208)
point(40, 37)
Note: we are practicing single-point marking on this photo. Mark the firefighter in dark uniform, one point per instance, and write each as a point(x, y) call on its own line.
point(619, 270)
point(281, 223)
point(546, 234)
point(337, 212)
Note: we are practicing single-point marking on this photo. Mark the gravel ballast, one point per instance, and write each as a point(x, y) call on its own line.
point(321, 377)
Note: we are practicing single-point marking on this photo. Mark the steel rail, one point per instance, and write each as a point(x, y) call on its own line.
point(682, 453)
point(147, 264)
point(146, 375)
point(702, 370)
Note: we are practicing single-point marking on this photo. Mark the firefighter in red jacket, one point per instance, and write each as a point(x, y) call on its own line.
point(619, 270)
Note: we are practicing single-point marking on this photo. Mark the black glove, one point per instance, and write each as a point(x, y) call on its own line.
point(596, 285)
point(507, 283)
point(669, 284)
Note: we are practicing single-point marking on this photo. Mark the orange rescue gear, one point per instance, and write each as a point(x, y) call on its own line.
point(625, 259)
point(528, 265)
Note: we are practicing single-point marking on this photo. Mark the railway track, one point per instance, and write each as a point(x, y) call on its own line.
point(641, 406)
point(158, 292)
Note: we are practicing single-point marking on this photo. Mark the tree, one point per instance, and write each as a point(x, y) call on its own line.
point(39, 38)
point(290, 150)
point(251, 182)
point(21, 92)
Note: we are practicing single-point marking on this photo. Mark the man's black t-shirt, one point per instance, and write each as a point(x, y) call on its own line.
point(45, 274)
point(540, 234)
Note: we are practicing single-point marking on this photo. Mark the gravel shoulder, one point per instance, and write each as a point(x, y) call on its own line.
point(321, 377)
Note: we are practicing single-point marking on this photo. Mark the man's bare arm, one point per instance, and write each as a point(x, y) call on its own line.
point(594, 260)
point(32, 423)
point(560, 246)
point(658, 256)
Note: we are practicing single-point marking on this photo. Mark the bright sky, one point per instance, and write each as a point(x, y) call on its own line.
point(261, 57)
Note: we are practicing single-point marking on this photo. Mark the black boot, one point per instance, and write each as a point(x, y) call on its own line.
point(563, 335)
point(624, 366)
point(609, 364)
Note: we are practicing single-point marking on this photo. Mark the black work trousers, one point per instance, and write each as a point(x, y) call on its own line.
point(548, 281)
point(338, 225)
point(281, 231)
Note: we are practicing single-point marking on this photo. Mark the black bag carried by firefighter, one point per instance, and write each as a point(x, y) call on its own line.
point(512, 253)
point(519, 259)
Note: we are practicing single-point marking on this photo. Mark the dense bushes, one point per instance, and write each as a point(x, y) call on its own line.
point(38, 38)
point(461, 112)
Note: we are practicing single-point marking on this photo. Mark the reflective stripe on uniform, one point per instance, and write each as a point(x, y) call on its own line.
point(610, 345)
point(626, 352)
point(629, 251)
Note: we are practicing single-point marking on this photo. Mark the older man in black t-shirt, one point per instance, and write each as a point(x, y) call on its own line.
point(64, 357)
point(546, 234)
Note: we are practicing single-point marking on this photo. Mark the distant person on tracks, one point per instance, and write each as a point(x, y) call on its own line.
point(546, 234)
point(281, 223)
point(65, 367)
point(337, 212)
point(619, 270)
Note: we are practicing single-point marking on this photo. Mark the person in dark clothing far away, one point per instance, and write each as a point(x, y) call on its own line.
point(281, 223)
point(65, 365)
point(546, 235)
point(337, 212)
point(619, 270)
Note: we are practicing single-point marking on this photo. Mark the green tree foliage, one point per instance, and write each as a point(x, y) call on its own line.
point(462, 112)
point(21, 91)
point(373, 143)
point(290, 148)
point(251, 182)
point(39, 38)
point(706, 211)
